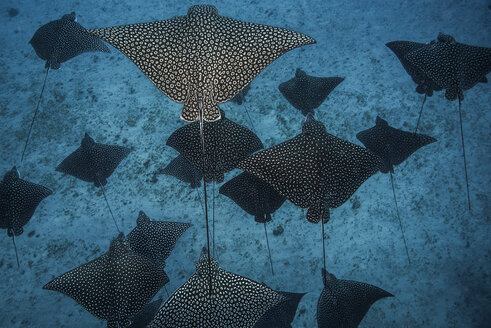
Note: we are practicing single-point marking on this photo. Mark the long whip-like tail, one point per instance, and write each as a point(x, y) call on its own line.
point(269, 250)
point(420, 113)
point(399, 217)
point(33, 119)
point(107, 202)
point(15, 248)
point(463, 153)
point(202, 137)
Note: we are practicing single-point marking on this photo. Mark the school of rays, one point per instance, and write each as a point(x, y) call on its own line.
point(203, 59)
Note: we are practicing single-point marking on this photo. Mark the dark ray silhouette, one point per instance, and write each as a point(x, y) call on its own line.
point(256, 197)
point(344, 303)
point(155, 240)
point(18, 201)
point(56, 42)
point(94, 162)
point(62, 39)
point(305, 92)
point(393, 146)
point(113, 287)
point(452, 66)
point(236, 301)
point(281, 315)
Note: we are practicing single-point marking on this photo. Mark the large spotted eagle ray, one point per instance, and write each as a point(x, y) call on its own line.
point(314, 170)
point(449, 65)
point(201, 59)
point(115, 286)
point(56, 42)
point(18, 201)
point(344, 303)
point(236, 302)
point(393, 146)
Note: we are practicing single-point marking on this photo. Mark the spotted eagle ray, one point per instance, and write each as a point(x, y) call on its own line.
point(256, 197)
point(236, 301)
point(113, 287)
point(56, 42)
point(155, 240)
point(281, 315)
point(94, 162)
point(314, 170)
point(305, 92)
point(226, 144)
point(455, 67)
point(344, 303)
point(201, 59)
point(425, 84)
point(18, 201)
point(393, 146)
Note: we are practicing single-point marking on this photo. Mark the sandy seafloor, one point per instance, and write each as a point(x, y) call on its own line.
point(448, 283)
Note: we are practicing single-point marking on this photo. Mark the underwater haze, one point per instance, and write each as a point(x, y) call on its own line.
point(447, 283)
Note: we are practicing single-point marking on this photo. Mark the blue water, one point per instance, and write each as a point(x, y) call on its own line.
point(448, 283)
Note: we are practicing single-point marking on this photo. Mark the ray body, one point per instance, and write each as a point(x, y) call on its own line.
point(62, 39)
point(226, 144)
point(236, 301)
point(113, 287)
point(18, 201)
point(253, 195)
point(201, 59)
point(93, 162)
point(155, 240)
point(392, 145)
point(425, 84)
point(306, 92)
point(283, 314)
point(453, 66)
point(183, 170)
point(344, 303)
point(314, 170)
